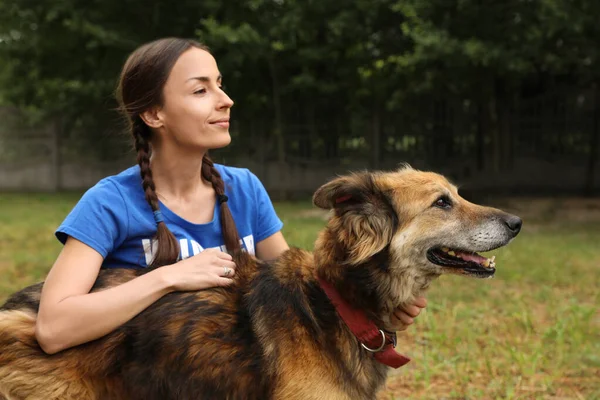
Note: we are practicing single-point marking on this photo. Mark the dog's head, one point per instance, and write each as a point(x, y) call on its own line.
point(418, 218)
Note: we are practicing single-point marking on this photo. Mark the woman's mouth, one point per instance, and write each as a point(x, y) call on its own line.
point(223, 123)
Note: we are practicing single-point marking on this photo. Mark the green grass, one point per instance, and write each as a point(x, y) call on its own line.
point(532, 332)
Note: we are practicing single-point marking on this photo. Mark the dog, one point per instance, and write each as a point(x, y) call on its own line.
point(304, 326)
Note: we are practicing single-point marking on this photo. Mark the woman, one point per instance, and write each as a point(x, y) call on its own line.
point(180, 215)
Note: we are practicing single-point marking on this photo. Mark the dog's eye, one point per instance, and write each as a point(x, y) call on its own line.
point(443, 202)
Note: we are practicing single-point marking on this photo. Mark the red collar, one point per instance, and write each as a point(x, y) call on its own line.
point(373, 339)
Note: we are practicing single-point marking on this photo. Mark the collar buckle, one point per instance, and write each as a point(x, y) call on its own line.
point(393, 338)
point(377, 350)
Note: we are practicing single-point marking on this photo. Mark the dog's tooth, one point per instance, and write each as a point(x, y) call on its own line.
point(452, 253)
point(486, 263)
point(445, 249)
point(492, 259)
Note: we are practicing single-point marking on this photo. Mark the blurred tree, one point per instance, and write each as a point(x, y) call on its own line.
point(62, 58)
point(486, 50)
point(320, 79)
point(325, 65)
point(477, 50)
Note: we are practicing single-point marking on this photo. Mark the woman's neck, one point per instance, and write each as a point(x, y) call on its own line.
point(178, 176)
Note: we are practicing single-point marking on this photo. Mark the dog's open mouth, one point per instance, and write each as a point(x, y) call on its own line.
point(469, 262)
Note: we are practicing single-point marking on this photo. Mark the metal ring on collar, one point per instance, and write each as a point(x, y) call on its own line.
point(380, 347)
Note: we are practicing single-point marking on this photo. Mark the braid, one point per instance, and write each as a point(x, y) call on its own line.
point(230, 233)
point(141, 134)
point(167, 247)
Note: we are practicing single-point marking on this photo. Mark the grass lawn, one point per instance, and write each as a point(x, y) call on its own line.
point(532, 332)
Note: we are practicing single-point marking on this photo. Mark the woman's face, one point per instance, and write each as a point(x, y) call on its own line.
point(195, 111)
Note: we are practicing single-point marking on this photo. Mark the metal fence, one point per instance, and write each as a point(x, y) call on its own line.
point(546, 144)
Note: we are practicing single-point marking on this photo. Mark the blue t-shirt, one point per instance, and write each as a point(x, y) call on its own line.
point(114, 218)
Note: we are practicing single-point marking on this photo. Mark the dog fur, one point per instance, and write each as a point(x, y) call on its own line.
point(274, 334)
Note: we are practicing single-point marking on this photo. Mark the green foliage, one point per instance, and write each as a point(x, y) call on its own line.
point(459, 41)
point(65, 55)
point(339, 70)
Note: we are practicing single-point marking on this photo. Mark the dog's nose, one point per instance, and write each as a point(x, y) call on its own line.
point(514, 223)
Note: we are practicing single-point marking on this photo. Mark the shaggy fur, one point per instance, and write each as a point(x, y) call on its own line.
point(273, 334)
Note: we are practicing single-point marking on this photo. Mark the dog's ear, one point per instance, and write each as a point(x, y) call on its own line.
point(337, 191)
point(364, 217)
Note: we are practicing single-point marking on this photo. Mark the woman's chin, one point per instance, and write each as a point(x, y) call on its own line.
point(223, 140)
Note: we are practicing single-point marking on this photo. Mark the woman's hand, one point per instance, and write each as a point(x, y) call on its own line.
point(210, 268)
point(402, 318)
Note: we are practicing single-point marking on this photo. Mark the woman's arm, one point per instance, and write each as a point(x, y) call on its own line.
point(69, 315)
point(271, 247)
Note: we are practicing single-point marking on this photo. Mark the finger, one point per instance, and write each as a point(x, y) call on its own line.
point(397, 323)
point(228, 264)
point(420, 302)
point(404, 318)
point(215, 250)
point(224, 256)
point(225, 272)
point(217, 253)
point(412, 311)
point(221, 281)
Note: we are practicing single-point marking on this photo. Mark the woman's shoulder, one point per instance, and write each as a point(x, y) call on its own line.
point(125, 177)
point(236, 175)
point(124, 180)
point(114, 187)
point(101, 217)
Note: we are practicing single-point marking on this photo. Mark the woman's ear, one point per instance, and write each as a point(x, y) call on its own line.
point(152, 117)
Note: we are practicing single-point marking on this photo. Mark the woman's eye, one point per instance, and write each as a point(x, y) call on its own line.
point(442, 202)
point(200, 91)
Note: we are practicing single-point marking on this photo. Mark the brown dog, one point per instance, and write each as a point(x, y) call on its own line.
point(277, 332)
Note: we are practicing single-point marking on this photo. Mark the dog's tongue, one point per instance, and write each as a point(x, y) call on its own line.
point(474, 257)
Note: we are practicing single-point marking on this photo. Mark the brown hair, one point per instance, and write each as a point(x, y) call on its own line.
point(140, 87)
